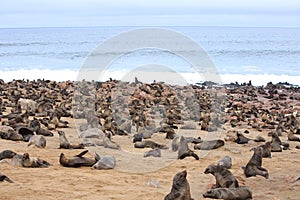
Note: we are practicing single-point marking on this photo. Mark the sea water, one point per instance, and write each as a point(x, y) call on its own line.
point(239, 54)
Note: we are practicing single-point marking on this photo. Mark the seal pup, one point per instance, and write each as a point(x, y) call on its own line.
point(239, 193)
point(78, 160)
point(153, 152)
point(224, 178)
point(209, 144)
point(5, 178)
point(38, 141)
point(64, 143)
point(149, 144)
point(226, 162)
point(33, 162)
point(184, 150)
point(180, 188)
point(7, 154)
point(107, 162)
point(254, 167)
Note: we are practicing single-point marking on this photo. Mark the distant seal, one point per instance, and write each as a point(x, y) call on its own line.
point(239, 193)
point(275, 143)
point(64, 143)
point(107, 162)
point(266, 150)
point(241, 139)
point(184, 150)
point(149, 144)
point(153, 152)
point(292, 137)
point(180, 188)
point(110, 144)
point(7, 154)
point(38, 141)
point(77, 161)
point(224, 178)
point(254, 167)
point(33, 162)
point(226, 162)
point(5, 178)
point(209, 144)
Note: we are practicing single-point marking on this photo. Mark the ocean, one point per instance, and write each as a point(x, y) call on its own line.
point(238, 54)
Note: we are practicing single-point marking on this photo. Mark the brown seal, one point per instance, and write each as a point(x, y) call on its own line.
point(184, 150)
point(33, 162)
point(266, 150)
point(239, 193)
point(78, 160)
point(254, 167)
point(209, 144)
point(64, 143)
point(224, 178)
point(7, 154)
point(180, 188)
point(149, 144)
point(5, 178)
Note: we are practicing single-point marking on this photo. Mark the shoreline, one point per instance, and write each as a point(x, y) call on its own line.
point(181, 78)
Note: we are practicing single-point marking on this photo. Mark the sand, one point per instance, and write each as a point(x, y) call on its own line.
point(130, 177)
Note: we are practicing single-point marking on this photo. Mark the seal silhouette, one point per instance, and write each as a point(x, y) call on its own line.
point(254, 167)
point(224, 178)
point(180, 188)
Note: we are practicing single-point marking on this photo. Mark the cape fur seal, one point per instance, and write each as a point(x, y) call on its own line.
point(5, 178)
point(153, 152)
point(209, 144)
point(107, 162)
point(78, 160)
point(64, 143)
point(184, 150)
point(226, 162)
point(239, 193)
point(149, 144)
point(180, 188)
point(224, 178)
point(254, 167)
point(33, 162)
point(7, 154)
point(38, 141)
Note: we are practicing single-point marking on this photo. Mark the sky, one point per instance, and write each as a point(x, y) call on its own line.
point(73, 13)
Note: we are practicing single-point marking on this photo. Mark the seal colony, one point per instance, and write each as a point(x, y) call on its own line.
point(165, 122)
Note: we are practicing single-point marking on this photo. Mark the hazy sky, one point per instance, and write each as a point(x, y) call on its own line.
point(57, 13)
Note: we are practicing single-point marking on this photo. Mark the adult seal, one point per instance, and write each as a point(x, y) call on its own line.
point(180, 188)
point(254, 166)
point(224, 178)
point(78, 160)
point(239, 193)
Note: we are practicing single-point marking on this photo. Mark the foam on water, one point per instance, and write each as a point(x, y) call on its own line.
point(168, 77)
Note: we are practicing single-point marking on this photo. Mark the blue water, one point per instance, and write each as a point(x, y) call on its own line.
point(233, 50)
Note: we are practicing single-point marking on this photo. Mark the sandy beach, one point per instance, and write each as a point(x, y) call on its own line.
point(136, 177)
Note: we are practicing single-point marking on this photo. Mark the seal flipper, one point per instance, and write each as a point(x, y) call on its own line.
point(5, 178)
point(97, 157)
point(82, 153)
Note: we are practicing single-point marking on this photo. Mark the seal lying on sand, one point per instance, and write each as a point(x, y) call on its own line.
point(184, 150)
point(33, 162)
point(209, 144)
point(149, 144)
point(38, 141)
point(107, 162)
point(180, 188)
point(239, 193)
point(5, 178)
point(224, 178)
point(64, 143)
point(153, 152)
point(7, 154)
point(78, 160)
point(254, 167)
